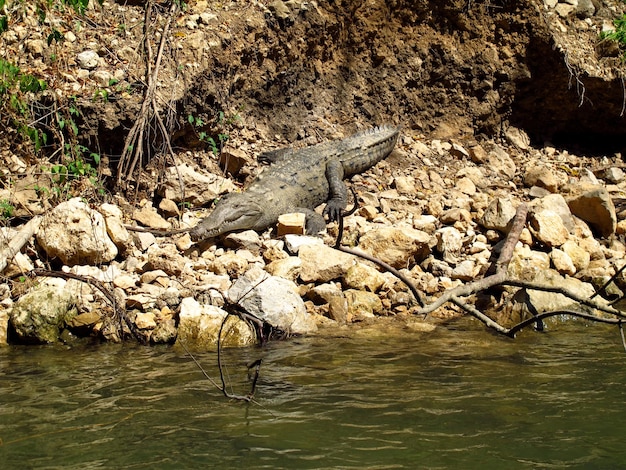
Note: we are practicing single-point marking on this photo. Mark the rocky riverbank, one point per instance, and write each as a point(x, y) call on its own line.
point(439, 231)
point(500, 104)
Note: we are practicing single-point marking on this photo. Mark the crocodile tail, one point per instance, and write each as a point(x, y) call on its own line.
point(366, 148)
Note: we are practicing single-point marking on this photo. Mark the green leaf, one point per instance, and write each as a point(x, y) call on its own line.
point(4, 24)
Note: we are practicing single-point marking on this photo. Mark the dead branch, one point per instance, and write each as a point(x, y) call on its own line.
point(119, 311)
point(133, 152)
point(373, 259)
point(256, 364)
point(501, 267)
point(500, 277)
point(18, 241)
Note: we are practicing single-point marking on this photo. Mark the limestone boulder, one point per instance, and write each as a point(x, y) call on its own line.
point(4, 327)
point(149, 217)
point(542, 301)
point(579, 256)
point(40, 315)
point(449, 243)
point(593, 204)
point(498, 214)
point(558, 204)
point(184, 184)
point(321, 263)
point(76, 234)
point(362, 276)
point(547, 227)
point(362, 305)
point(540, 176)
point(397, 245)
point(288, 268)
point(113, 218)
point(199, 326)
point(273, 299)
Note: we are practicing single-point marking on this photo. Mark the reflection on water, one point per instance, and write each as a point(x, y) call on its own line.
point(449, 399)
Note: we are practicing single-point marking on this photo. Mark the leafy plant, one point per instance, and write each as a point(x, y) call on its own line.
point(222, 120)
point(55, 36)
point(618, 34)
point(75, 168)
point(78, 5)
point(6, 209)
point(102, 94)
point(13, 86)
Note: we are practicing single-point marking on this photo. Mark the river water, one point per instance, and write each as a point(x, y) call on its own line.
point(455, 398)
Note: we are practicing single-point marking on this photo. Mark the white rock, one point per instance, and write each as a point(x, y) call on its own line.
point(555, 203)
point(148, 217)
point(76, 234)
point(145, 321)
point(562, 262)
point(466, 186)
point(593, 204)
point(579, 256)
point(498, 214)
point(526, 263)
point(466, 270)
point(396, 245)
point(362, 276)
point(288, 268)
point(88, 59)
point(547, 227)
point(293, 242)
point(449, 243)
point(102, 77)
point(321, 263)
point(517, 137)
point(113, 218)
point(273, 299)
point(199, 187)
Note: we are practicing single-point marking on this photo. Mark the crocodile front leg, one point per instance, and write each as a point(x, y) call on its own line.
point(337, 191)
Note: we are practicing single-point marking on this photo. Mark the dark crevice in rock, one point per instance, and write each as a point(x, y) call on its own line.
point(569, 109)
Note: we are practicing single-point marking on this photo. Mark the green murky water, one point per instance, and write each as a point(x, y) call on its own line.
point(458, 398)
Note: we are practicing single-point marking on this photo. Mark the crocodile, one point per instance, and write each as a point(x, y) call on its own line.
point(299, 180)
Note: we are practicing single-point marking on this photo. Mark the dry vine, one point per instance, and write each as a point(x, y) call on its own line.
point(264, 332)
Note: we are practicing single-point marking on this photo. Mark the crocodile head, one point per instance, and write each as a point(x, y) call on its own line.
point(235, 211)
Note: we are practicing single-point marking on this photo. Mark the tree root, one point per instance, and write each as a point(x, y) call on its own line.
point(133, 158)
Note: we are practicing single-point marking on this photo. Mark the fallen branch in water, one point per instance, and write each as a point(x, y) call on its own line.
point(263, 331)
point(500, 277)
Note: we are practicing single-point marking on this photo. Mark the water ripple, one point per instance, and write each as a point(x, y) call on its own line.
point(455, 399)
